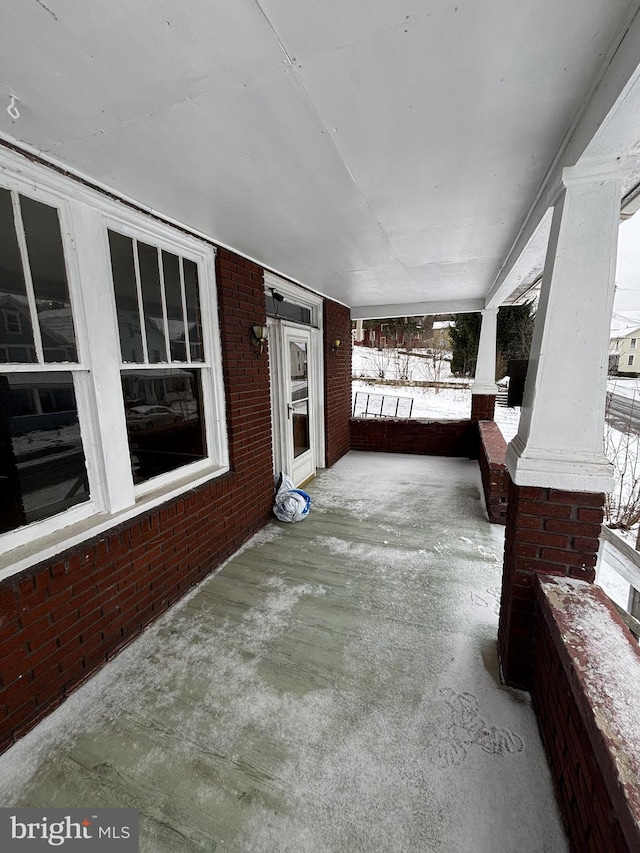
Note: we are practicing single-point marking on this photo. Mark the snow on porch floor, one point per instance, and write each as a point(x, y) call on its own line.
point(334, 688)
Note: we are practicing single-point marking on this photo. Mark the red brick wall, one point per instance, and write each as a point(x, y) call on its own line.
point(483, 407)
point(61, 620)
point(433, 438)
point(337, 380)
point(495, 479)
point(582, 763)
point(549, 532)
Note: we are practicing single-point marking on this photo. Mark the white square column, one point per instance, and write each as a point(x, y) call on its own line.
point(559, 440)
point(485, 378)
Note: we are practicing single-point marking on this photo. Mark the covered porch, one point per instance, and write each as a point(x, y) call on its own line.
point(336, 686)
point(333, 687)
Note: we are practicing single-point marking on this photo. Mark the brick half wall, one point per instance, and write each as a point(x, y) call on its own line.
point(62, 620)
point(585, 693)
point(549, 532)
point(495, 478)
point(337, 380)
point(432, 438)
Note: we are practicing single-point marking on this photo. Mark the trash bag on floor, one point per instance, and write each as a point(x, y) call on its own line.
point(291, 504)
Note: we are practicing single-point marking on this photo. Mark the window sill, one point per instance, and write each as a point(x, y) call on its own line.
point(50, 545)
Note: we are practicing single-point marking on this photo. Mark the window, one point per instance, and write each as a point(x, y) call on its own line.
point(42, 462)
point(160, 331)
point(44, 469)
point(633, 343)
point(630, 360)
point(12, 322)
point(278, 306)
point(111, 395)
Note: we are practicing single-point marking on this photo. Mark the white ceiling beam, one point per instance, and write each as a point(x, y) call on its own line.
point(416, 309)
point(607, 126)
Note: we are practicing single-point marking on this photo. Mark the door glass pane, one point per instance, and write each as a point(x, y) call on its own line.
point(165, 420)
point(299, 379)
point(299, 396)
point(152, 302)
point(16, 334)
point(300, 421)
point(49, 276)
point(42, 463)
point(124, 282)
point(173, 296)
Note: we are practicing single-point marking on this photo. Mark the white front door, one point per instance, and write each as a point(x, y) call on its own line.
point(293, 353)
point(300, 427)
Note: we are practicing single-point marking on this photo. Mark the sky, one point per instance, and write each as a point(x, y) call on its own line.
point(626, 307)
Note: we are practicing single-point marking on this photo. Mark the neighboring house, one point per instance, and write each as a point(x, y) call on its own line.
point(441, 334)
point(624, 351)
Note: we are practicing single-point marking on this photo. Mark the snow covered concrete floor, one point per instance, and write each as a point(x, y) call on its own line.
point(334, 688)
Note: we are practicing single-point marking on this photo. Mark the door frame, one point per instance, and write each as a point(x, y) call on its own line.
point(278, 371)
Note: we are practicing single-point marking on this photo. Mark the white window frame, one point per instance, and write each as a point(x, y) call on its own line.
point(158, 235)
point(85, 215)
point(630, 360)
point(633, 342)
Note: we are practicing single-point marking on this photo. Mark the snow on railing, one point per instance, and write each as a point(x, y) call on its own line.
point(625, 560)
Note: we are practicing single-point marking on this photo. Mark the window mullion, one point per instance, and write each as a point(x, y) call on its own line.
point(26, 267)
point(183, 296)
point(143, 326)
point(163, 297)
point(104, 422)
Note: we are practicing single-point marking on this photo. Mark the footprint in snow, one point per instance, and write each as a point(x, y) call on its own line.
point(459, 726)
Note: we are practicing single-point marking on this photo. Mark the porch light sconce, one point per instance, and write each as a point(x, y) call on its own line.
point(335, 346)
point(259, 337)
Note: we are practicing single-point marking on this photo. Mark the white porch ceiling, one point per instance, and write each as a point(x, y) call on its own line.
point(384, 153)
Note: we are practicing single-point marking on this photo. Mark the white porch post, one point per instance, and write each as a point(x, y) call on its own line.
point(556, 462)
point(559, 441)
point(485, 381)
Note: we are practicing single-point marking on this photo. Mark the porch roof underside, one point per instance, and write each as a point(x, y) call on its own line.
point(394, 157)
point(334, 687)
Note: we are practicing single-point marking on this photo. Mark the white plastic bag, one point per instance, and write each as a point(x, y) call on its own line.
point(291, 504)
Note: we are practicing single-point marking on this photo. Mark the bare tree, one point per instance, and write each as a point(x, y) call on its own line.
point(380, 360)
point(622, 448)
point(437, 356)
point(403, 364)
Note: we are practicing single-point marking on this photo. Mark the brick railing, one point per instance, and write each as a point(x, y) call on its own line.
point(495, 479)
point(397, 435)
point(586, 695)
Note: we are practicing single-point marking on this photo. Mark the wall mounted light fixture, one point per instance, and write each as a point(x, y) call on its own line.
point(335, 346)
point(259, 336)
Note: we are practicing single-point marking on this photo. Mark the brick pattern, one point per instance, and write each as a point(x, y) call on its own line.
point(549, 532)
point(581, 762)
point(433, 438)
point(337, 381)
point(61, 620)
point(495, 478)
point(483, 407)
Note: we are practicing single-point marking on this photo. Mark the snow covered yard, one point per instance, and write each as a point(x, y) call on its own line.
point(435, 402)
